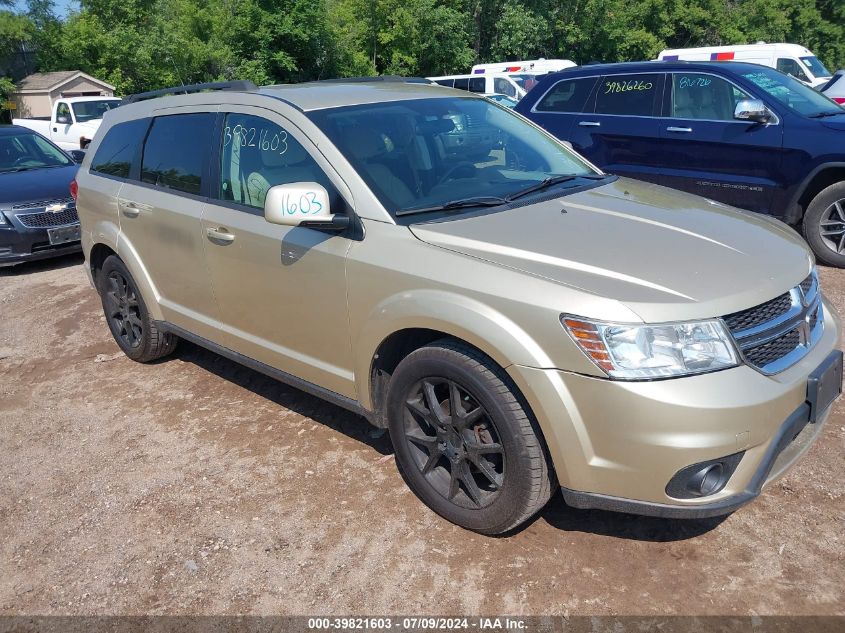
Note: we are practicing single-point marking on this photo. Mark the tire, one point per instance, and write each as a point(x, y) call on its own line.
point(485, 471)
point(129, 320)
point(824, 225)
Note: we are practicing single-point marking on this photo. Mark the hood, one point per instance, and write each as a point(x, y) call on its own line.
point(666, 255)
point(37, 184)
point(91, 126)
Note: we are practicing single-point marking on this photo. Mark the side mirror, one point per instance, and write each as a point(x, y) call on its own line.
point(303, 204)
point(62, 120)
point(78, 155)
point(752, 110)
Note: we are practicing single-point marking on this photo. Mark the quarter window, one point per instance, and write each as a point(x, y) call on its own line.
point(701, 96)
point(116, 152)
point(633, 95)
point(175, 151)
point(259, 154)
point(568, 96)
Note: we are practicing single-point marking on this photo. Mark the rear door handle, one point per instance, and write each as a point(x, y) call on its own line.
point(679, 130)
point(132, 209)
point(220, 235)
point(589, 124)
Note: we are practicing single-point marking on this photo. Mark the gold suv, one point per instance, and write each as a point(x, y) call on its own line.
point(432, 261)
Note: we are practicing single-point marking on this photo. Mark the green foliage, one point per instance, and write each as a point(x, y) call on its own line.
point(146, 44)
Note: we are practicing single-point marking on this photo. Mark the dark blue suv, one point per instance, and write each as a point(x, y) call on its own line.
point(737, 133)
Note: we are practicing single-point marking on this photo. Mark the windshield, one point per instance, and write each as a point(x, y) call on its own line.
point(19, 152)
point(90, 110)
point(429, 152)
point(816, 67)
point(792, 93)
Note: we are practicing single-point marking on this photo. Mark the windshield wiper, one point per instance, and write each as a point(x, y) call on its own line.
point(821, 115)
point(15, 170)
point(550, 182)
point(481, 201)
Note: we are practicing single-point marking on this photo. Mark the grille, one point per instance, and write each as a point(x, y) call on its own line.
point(807, 284)
point(45, 220)
point(776, 349)
point(41, 203)
point(746, 319)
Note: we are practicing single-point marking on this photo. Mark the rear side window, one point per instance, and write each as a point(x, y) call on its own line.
point(462, 83)
point(476, 84)
point(568, 96)
point(445, 82)
point(119, 147)
point(176, 151)
point(632, 95)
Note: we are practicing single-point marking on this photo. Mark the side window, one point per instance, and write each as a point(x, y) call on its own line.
point(633, 95)
point(503, 87)
point(119, 147)
point(791, 67)
point(446, 82)
point(63, 110)
point(259, 154)
point(701, 96)
point(462, 83)
point(175, 151)
point(568, 96)
point(476, 84)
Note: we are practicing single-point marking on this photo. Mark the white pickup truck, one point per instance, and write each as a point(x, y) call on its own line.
point(73, 122)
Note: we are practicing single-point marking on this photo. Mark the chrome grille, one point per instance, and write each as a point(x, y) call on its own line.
point(44, 219)
point(777, 334)
point(40, 204)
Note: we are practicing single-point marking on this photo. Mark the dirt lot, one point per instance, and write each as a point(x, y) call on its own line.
point(194, 485)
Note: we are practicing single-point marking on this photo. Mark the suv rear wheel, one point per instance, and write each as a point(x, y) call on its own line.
point(464, 444)
point(824, 225)
point(127, 315)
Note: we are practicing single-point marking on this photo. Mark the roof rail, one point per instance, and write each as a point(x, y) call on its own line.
point(235, 86)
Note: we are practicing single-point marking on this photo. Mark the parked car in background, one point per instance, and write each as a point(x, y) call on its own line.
point(37, 213)
point(504, 100)
point(532, 66)
point(791, 59)
point(742, 134)
point(518, 319)
point(511, 85)
point(74, 120)
point(835, 88)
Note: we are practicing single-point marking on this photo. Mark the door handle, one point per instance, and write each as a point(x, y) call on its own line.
point(220, 235)
point(132, 209)
point(589, 124)
point(679, 130)
point(55, 129)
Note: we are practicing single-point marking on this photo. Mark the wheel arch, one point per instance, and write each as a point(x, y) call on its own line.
point(816, 181)
point(100, 251)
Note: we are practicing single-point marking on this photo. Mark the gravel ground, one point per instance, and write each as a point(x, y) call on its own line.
point(196, 486)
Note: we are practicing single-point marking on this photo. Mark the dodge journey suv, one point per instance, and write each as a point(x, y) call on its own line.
point(424, 257)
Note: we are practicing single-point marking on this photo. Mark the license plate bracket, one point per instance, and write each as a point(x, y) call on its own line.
point(64, 234)
point(825, 385)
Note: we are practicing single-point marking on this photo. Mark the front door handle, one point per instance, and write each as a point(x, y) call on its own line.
point(220, 235)
point(589, 124)
point(679, 130)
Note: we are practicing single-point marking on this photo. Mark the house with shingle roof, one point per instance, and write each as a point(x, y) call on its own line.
point(35, 94)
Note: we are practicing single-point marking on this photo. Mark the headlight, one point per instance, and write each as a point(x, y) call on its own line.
point(641, 352)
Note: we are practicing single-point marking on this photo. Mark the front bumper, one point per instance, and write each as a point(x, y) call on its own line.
point(616, 445)
point(19, 243)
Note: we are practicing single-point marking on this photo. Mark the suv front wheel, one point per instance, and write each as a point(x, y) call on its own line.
point(464, 444)
point(127, 315)
point(824, 225)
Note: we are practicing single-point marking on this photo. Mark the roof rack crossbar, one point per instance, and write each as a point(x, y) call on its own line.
point(237, 86)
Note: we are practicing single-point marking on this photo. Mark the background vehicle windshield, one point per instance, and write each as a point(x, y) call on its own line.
point(29, 151)
point(791, 92)
point(816, 66)
point(90, 110)
point(428, 152)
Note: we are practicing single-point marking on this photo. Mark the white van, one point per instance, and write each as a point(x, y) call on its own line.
point(532, 66)
point(791, 59)
point(513, 85)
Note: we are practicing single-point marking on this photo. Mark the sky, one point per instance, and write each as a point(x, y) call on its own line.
point(62, 7)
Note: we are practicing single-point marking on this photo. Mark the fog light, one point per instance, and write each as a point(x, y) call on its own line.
point(703, 479)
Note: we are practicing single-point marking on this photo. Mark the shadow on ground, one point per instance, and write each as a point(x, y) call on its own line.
point(41, 265)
